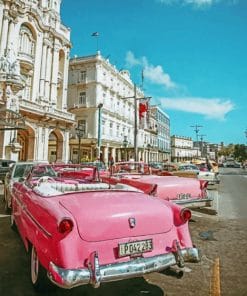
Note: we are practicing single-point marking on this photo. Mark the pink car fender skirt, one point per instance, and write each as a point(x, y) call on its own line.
point(96, 274)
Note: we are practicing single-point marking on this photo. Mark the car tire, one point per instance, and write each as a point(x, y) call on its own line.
point(38, 273)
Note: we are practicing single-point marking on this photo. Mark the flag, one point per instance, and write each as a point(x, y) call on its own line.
point(143, 112)
point(95, 34)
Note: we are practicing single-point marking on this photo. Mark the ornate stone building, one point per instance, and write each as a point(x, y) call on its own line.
point(102, 99)
point(34, 61)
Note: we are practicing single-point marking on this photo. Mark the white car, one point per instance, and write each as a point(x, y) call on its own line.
point(17, 170)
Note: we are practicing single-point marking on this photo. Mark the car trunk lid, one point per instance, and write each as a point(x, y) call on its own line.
point(108, 215)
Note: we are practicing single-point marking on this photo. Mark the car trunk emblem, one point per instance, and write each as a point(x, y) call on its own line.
point(132, 222)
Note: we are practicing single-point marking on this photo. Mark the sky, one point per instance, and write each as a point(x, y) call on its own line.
point(192, 53)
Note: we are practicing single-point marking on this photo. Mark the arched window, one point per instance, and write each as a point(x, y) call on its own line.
point(27, 41)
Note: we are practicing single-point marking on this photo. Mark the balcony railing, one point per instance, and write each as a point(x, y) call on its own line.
point(35, 107)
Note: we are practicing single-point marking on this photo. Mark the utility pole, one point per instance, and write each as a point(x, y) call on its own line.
point(196, 129)
point(136, 120)
point(201, 139)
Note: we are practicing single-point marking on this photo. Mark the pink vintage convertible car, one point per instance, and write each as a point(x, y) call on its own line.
point(189, 192)
point(89, 232)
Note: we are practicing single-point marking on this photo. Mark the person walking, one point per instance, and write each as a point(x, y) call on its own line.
point(111, 164)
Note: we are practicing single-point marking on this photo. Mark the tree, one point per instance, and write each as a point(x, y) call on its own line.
point(240, 152)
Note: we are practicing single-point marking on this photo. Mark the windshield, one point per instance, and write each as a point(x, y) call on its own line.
point(21, 170)
point(41, 171)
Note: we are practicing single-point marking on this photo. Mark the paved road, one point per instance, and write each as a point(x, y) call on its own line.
point(222, 237)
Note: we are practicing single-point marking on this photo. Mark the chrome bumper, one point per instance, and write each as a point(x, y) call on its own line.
point(96, 274)
point(194, 203)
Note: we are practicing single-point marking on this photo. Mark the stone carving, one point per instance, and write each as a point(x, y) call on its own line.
point(4, 64)
point(9, 64)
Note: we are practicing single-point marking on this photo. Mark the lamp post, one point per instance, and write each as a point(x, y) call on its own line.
point(99, 128)
point(80, 133)
point(125, 144)
point(148, 147)
point(136, 120)
point(196, 131)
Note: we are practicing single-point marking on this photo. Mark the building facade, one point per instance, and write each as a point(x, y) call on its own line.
point(34, 61)
point(106, 104)
point(182, 149)
point(160, 127)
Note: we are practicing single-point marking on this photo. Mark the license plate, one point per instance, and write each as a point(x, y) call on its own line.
point(133, 248)
point(184, 196)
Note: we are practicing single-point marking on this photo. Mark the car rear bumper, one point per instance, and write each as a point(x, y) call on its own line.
point(96, 274)
point(194, 203)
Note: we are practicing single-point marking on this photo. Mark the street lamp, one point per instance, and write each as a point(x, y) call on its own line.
point(99, 128)
point(125, 144)
point(148, 148)
point(80, 132)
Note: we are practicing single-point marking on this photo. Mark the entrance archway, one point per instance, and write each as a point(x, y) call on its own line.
point(26, 138)
point(55, 149)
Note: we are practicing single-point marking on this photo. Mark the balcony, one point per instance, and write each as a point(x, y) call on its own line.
point(26, 61)
point(46, 110)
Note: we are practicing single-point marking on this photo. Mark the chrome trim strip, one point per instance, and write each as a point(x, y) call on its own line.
point(69, 278)
point(202, 201)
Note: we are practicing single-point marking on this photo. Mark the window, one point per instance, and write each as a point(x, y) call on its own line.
point(82, 125)
point(111, 129)
point(82, 98)
point(26, 41)
point(83, 76)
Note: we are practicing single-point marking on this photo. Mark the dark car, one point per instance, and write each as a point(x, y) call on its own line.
point(5, 167)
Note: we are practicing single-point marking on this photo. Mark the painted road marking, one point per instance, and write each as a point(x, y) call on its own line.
point(215, 281)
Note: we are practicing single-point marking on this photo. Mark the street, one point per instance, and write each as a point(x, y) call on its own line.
point(222, 239)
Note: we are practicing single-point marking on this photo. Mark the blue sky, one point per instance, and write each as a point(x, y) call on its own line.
point(193, 54)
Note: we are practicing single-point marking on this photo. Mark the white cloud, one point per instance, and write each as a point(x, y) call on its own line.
point(154, 74)
point(196, 3)
point(211, 108)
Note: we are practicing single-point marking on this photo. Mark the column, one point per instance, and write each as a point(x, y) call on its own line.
point(48, 73)
point(11, 38)
point(42, 74)
point(4, 33)
point(65, 78)
point(37, 68)
point(54, 77)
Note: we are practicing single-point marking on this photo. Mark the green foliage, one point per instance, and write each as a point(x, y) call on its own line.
point(238, 151)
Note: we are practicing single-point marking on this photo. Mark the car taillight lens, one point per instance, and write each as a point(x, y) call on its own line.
point(185, 215)
point(65, 226)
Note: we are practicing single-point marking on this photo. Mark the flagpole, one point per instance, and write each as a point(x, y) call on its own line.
point(96, 34)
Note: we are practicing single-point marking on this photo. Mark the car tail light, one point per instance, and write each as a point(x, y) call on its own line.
point(185, 215)
point(203, 184)
point(65, 226)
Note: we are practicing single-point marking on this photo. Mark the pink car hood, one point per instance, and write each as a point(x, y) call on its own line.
point(105, 215)
point(169, 187)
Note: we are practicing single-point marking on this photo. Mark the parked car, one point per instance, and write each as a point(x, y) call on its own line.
point(5, 167)
point(231, 164)
point(199, 171)
point(17, 171)
point(189, 192)
point(80, 171)
point(89, 232)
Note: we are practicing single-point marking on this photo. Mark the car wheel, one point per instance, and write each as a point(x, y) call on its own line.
point(38, 273)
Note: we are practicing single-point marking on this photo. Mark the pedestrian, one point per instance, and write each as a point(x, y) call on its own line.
point(111, 164)
point(141, 166)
